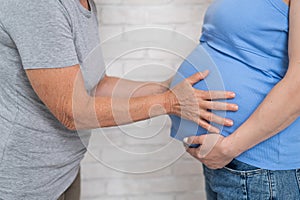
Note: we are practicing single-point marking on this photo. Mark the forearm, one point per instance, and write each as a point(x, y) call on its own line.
point(106, 111)
point(279, 109)
point(117, 87)
point(124, 111)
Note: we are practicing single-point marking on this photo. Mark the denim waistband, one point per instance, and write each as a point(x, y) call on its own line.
point(240, 166)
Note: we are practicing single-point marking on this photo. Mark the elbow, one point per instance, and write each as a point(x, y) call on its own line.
point(64, 113)
point(78, 114)
point(75, 121)
point(81, 114)
point(70, 125)
point(66, 118)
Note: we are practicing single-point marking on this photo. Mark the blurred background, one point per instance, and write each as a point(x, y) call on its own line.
point(140, 161)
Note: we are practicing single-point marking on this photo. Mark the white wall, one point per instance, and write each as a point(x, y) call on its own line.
point(162, 170)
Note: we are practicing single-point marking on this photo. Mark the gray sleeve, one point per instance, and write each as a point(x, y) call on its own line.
point(42, 33)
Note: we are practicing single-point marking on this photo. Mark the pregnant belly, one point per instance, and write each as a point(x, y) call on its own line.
point(226, 73)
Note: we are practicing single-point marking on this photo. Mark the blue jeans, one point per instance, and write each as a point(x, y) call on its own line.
point(240, 181)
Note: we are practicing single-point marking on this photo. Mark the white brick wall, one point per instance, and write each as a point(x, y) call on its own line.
point(180, 177)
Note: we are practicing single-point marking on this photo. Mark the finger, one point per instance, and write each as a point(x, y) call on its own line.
point(216, 119)
point(216, 95)
point(197, 77)
point(213, 105)
point(209, 143)
point(195, 139)
point(204, 124)
point(194, 153)
point(185, 145)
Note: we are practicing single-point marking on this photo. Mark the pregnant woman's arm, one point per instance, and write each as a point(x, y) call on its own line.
point(280, 108)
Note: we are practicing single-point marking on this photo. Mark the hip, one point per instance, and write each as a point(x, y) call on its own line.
point(239, 180)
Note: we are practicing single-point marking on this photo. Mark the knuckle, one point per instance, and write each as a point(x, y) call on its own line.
point(198, 155)
point(206, 94)
point(210, 95)
point(223, 107)
point(201, 76)
point(222, 95)
point(212, 105)
point(216, 118)
point(201, 94)
point(228, 105)
point(208, 127)
point(201, 105)
point(208, 116)
point(204, 124)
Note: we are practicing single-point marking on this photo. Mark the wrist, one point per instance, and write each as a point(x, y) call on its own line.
point(167, 83)
point(169, 102)
point(162, 87)
point(232, 147)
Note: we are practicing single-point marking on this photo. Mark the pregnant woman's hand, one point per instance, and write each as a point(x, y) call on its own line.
point(194, 105)
point(215, 151)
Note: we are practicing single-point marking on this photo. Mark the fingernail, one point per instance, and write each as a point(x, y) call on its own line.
point(185, 140)
point(186, 145)
point(236, 107)
point(205, 72)
point(233, 94)
point(229, 122)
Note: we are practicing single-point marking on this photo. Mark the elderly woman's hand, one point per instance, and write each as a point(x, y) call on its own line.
point(193, 104)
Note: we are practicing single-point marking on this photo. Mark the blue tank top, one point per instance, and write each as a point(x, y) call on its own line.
point(247, 41)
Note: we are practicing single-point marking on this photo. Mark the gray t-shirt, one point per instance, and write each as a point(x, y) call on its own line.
point(39, 157)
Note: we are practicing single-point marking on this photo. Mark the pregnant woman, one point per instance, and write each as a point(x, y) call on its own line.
point(255, 45)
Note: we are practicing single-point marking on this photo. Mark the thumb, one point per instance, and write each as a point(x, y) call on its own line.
point(194, 139)
point(195, 78)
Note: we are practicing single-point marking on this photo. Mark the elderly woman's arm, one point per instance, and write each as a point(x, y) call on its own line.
point(122, 88)
point(280, 108)
point(62, 91)
point(118, 87)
